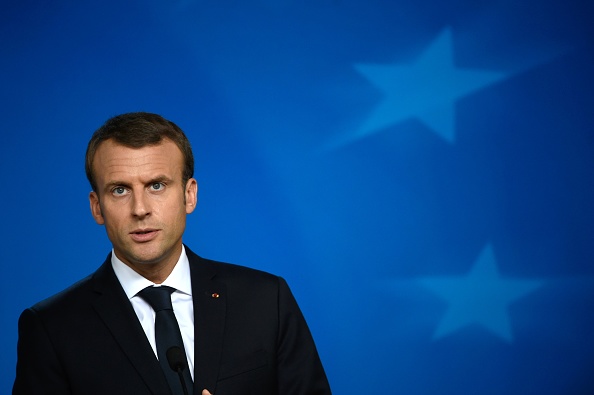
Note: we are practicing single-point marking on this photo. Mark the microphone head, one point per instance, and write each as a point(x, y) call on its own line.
point(176, 358)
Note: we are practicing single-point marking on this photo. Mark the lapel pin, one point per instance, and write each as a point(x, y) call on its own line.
point(215, 295)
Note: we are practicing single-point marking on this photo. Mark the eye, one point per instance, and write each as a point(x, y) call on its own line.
point(157, 186)
point(118, 191)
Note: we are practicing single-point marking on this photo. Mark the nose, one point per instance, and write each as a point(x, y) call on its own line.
point(140, 205)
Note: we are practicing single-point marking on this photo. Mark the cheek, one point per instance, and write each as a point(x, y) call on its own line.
point(113, 216)
point(111, 227)
point(177, 219)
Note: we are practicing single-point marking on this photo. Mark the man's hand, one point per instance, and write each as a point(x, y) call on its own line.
point(206, 392)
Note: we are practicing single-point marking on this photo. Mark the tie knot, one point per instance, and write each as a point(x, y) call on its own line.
point(158, 297)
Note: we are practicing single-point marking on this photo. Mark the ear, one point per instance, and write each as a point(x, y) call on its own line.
point(96, 208)
point(191, 194)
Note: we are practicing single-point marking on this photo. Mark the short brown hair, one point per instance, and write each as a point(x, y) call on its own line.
point(137, 130)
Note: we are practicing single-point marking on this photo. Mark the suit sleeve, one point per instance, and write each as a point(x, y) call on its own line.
point(300, 370)
point(38, 370)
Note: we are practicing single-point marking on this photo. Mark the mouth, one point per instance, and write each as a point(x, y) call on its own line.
point(143, 235)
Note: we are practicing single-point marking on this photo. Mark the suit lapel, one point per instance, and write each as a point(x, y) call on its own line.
point(114, 308)
point(210, 301)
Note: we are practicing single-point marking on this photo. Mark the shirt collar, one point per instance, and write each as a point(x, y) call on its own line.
point(132, 282)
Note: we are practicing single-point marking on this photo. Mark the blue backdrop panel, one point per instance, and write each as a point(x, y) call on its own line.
point(420, 171)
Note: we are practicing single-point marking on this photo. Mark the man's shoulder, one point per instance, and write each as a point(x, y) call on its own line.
point(70, 295)
point(231, 271)
point(75, 295)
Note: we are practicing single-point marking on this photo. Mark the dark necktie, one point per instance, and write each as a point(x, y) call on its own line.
point(168, 336)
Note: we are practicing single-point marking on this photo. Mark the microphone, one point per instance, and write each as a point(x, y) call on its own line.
point(177, 363)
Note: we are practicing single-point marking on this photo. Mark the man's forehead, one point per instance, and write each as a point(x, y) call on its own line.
point(112, 157)
point(111, 147)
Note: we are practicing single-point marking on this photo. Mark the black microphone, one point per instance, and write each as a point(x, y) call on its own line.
point(177, 362)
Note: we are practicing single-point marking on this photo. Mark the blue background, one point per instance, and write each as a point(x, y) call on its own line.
point(421, 172)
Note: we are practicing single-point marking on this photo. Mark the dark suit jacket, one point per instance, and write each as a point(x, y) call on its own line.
point(251, 339)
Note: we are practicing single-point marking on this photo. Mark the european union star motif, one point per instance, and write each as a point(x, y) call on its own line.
point(481, 297)
point(426, 89)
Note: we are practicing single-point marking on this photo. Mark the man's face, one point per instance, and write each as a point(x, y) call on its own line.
point(142, 203)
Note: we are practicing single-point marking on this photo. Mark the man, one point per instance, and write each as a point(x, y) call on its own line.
point(241, 329)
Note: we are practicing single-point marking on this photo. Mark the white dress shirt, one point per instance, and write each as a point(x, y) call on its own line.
point(181, 300)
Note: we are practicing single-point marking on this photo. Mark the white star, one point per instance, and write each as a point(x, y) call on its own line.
point(481, 297)
point(426, 89)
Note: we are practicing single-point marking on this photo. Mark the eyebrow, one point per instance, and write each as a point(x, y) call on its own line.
point(112, 184)
point(160, 178)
